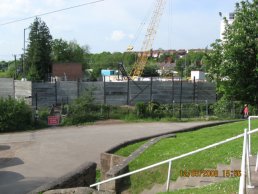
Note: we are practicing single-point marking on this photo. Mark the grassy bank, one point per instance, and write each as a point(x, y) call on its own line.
point(186, 142)
point(228, 186)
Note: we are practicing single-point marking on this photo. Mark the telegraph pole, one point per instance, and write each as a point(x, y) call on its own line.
point(15, 74)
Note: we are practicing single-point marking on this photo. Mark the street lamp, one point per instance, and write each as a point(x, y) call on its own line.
point(23, 57)
point(183, 68)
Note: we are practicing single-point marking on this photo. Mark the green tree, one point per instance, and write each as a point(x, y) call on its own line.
point(59, 50)
point(150, 70)
point(182, 64)
point(105, 60)
point(63, 51)
point(196, 61)
point(236, 67)
point(38, 53)
point(3, 65)
point(214, 67)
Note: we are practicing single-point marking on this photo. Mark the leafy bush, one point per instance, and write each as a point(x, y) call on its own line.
point(225, 108)
point(14, 115)
point(153, 109)
point(43, 113)
point(83, 110)
point(117, 112)
point(141, 109)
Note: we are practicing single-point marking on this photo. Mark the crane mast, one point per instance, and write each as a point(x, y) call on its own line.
point(149, 38)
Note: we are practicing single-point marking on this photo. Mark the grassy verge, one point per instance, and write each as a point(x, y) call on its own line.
point(228, 186)
point(134, 118)
point(126, 151)
point(3, 74)
point(186, 142)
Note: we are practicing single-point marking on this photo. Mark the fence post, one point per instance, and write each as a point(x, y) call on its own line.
point(128, 90)
point(243, 165)
point(151, 89)
point(104, 88)
point(78, 88)
point(173, 89)
point(169, 174)
point(249, 185)
point(36, 99)
point(14, 93)
point(36, 111)
point(173, 106)
point(249, 135)
point(55, 92)
point(207, 111)
point(194, 89)
point(180, 100)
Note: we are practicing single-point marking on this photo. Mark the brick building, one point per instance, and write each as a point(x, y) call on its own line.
point(67, 71)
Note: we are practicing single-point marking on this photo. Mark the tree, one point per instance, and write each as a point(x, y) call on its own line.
point(3, 65)
point(233, 61)
point(59, 51)
point(63, 51)
point(150, 70)
point(38, 53)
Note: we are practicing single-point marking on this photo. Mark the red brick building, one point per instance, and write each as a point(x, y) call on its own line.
point(67, 71)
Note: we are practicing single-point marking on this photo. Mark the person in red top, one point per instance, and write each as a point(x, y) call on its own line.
point(245, 111)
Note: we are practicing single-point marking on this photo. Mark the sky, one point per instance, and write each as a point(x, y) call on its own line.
point(113, 25)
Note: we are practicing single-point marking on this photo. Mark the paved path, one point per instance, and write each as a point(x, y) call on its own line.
point(30, 159)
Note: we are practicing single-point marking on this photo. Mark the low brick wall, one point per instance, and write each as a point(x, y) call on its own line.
point(78, 190)
point(108, 161)
point(83, 176)
point(113, 165)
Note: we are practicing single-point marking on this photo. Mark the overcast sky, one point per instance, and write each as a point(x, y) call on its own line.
point(112, 25)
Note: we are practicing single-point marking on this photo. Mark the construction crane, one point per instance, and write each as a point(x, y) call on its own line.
point(149, 39)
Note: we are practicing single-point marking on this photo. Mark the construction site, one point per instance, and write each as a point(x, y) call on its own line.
point(175, 136)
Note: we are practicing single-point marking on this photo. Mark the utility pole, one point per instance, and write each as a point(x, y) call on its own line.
point(15, 74)
point(23, 56)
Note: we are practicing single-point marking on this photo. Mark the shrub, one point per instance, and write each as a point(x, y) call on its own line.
point(225, 108)
point(83, 110)
point(141, 109)
point(152, 109)
point(14, 115)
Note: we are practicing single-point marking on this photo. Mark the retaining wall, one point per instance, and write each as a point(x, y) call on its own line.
point(83, 176)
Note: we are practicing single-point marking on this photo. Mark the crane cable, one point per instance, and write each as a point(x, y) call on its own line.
point(170, 24)
point(141, 26)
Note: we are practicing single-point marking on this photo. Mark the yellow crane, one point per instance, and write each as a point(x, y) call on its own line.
point(149, 39)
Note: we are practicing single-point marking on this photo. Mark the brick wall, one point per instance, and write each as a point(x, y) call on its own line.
point(72, 71)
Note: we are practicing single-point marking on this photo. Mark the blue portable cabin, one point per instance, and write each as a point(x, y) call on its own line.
point(107, 72)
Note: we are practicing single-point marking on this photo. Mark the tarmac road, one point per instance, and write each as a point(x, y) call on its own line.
point(30, 159)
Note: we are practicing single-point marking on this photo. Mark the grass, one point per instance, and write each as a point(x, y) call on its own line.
point(228, 186)
point(134, 118)
point(3, 74)
point(98, 175)
point(186, 142)
point(126, 151)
